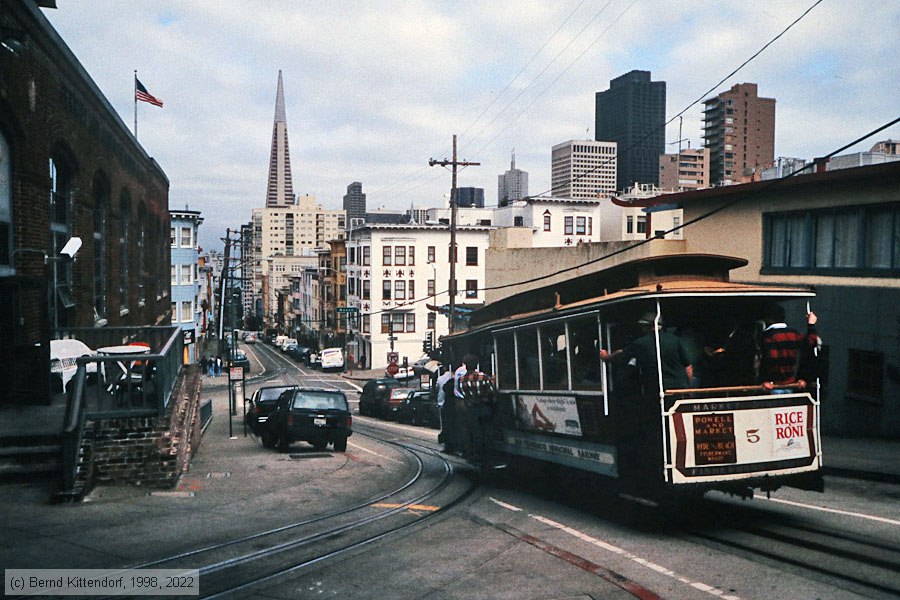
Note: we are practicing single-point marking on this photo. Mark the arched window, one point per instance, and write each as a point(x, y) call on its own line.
point(124, 247)
point(547, 220)
point(141, 266)
point(101, 194)
point(61, 178)
point(5, 207)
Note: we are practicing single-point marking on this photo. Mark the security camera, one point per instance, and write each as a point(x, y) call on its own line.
point(71, 248)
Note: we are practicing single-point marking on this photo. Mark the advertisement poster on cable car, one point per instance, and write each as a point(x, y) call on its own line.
point(556, 414)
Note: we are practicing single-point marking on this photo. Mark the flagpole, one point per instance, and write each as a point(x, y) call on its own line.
point(135, 103)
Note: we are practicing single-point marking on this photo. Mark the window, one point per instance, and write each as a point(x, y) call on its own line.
point(506, 361)
point(175, 274)
point(386, 289)
point(185, 274)
point(642, 224)
point(546, 220)
point(554, 356)
point(569, 225)
point(629, 224)
point(411, 256)
point(187, 312)
point(386, 254)
point(411, 289)
point(366, 255)
point(430, 287)
point(860, 240)
point(590, 225)
point(366, 323)
point(399, 256)
point(410, 322)
point(366, 289)
point(866, 375)
point(518, 222)
point(526, 341)
point(124, 219)
point(580, 226)
point(175, 313)
point(172, 238)
point(186, 237)
point(101, 195)
point(584, 353)
point(472, 256)
point(400, 289)
point(432, 320)
point(431, 254)
point(471, 288)
point(5, 207)
point(60, 231)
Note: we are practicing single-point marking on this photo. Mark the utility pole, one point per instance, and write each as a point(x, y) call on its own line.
point(453, 255)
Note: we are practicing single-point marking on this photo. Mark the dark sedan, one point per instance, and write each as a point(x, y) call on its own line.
point(317, 416)
point(373, 401)
point(420, 408)
point(258, 408)
point(240, 359)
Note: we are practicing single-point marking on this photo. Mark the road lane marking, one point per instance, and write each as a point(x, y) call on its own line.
point(358, 447)
point(832, 510)
point(596, 569)
point(419, 507)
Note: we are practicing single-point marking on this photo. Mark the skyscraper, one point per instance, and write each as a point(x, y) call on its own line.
point(512, 185)
point(632, 113)
point(739, 130)
point(583, 169)
point(355, 202)
point(280, 191)
point(470, 197)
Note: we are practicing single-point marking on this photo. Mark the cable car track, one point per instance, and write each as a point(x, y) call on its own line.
point(264, 557)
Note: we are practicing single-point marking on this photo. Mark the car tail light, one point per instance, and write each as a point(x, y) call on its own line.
point(349, 422)
point(290, 420)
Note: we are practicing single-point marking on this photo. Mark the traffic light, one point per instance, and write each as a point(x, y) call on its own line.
point(428, 343)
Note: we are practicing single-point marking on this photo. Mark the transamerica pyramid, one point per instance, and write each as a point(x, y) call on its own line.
point(280, 191)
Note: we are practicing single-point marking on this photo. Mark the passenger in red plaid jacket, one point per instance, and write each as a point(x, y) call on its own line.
point(783, 348)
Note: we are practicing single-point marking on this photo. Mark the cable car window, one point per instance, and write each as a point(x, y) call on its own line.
point(506, 361)
point(584, 349)
point(529, 367)
point(553, 356)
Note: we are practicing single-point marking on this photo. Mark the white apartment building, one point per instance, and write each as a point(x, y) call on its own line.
point(622, 221)
point(396, 272)
point(583, 169)
point(284, 241)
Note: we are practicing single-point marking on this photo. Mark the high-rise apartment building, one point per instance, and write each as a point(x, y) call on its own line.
point(470, 197)
point(632, 113)
point(280, 191)
point(355, 202)
point(583, 169)
point(512, 185)
point(686, 170)
point(739, 130)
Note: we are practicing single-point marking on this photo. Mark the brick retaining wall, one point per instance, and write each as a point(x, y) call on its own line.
point(152, 451)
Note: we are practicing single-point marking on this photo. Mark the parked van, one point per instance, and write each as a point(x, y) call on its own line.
point(331, 358)
point(279, 340)
point(287, 343)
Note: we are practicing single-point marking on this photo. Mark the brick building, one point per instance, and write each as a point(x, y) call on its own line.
point(69, 167)
point(739, 130)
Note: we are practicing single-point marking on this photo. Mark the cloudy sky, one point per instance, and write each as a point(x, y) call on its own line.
point(375, 89)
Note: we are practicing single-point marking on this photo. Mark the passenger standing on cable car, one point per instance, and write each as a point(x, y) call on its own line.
point(640, 439)
point(784, 349)
point(478, 394)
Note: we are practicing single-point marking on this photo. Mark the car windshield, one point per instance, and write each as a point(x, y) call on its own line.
point(271, 393)
point(319, 400)
point(400, 392)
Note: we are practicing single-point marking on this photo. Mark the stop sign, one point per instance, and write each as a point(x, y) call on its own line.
point(392, 369)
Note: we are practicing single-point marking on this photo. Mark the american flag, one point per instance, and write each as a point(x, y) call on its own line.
point(141, 93)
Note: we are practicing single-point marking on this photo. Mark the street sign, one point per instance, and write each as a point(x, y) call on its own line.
point(392, 369)
point(393, 357)
point(346, 309)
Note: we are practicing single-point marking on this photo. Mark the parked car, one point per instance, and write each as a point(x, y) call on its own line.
point(331, 358)
point(299, 353)
point(317, 416)
point(250, 339)
point(259, 406)
point(374, 396)
point(239, 359)
point(395, 400)
point(420, 408)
